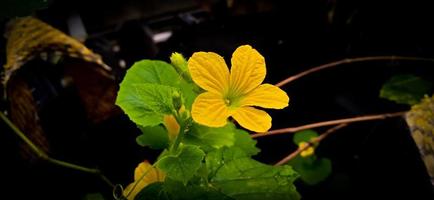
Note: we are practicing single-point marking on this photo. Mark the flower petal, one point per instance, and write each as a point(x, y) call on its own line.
point(253, 119)
point(209, 71)
point(266, 96)
point(247, 71)
point(209, 109)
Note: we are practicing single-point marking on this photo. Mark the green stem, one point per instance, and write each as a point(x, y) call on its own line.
point(178, 139)
point(43, 156)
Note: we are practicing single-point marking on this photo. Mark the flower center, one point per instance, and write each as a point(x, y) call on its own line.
point(232, 101)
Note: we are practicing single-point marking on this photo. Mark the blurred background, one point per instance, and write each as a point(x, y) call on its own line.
point(67, 107)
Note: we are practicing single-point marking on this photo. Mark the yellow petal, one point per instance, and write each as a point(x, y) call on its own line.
point(144, 175)
point(266, 96)
point(171, 125)
point(247, 71)
point(209, 71)
point(252, 119)
point(209, 109)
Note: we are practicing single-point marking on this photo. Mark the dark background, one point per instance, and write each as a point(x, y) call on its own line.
point(370, 159)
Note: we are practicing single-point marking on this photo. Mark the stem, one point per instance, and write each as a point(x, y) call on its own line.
point(348, 61)
point(328, 123)
point(43, 156)
point(311, 142)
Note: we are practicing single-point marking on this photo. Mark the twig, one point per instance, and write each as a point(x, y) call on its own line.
point(328, 123)
point(347, 61)
point(43, 156)
point(311, 142)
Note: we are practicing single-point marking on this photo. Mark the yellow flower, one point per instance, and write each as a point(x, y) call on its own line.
point(233, 94)
point(144, 174)
point(308, 152)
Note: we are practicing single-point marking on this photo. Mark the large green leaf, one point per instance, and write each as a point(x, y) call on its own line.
point(216, 159)
point(155, 137)
point(405, 89)
point(245, 178)
point(312, 170)
point(245, 142)
point(174, 190)
point(151, 71)
point(210, 138)
point(146, 104)
point(183, 165)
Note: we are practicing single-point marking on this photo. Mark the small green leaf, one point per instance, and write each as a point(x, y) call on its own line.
point(246, 178)
point(245, 142)
point(183, 165)
point(155, 137)
point(210, 138)
point(312, 170)
point(304, 136)
point(405, 89)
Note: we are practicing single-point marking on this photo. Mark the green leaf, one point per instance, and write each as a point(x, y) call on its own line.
point(174, 190)
point(183, 165)
point(216, 159)
point(155, 137)
point(146, 104)
point(304, 136)
point(210, 138)
point(151, 71)
point(312, 170)
point(245, 142)
point(246, 178)
point(189, 93)
point(405, 89)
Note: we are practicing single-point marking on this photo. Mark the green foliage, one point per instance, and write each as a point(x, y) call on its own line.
point(304, 136)
point(184, 164)
point(210, 138)
point(312, 170)
point(201, 162)
point(405, 89)
point(93, 196)
point(153, 136)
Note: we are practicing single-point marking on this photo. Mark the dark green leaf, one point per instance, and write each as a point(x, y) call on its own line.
point(245, 178)
point(312, 170)
point(153, 136)
point(210, 138)
point(405, 89)
point(304, 136)
point(94, 196)
point(183, 165)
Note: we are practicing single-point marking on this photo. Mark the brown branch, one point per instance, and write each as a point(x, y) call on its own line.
point(328, 123)
point(43, 156)
point(348, 61)
point(311, 142)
